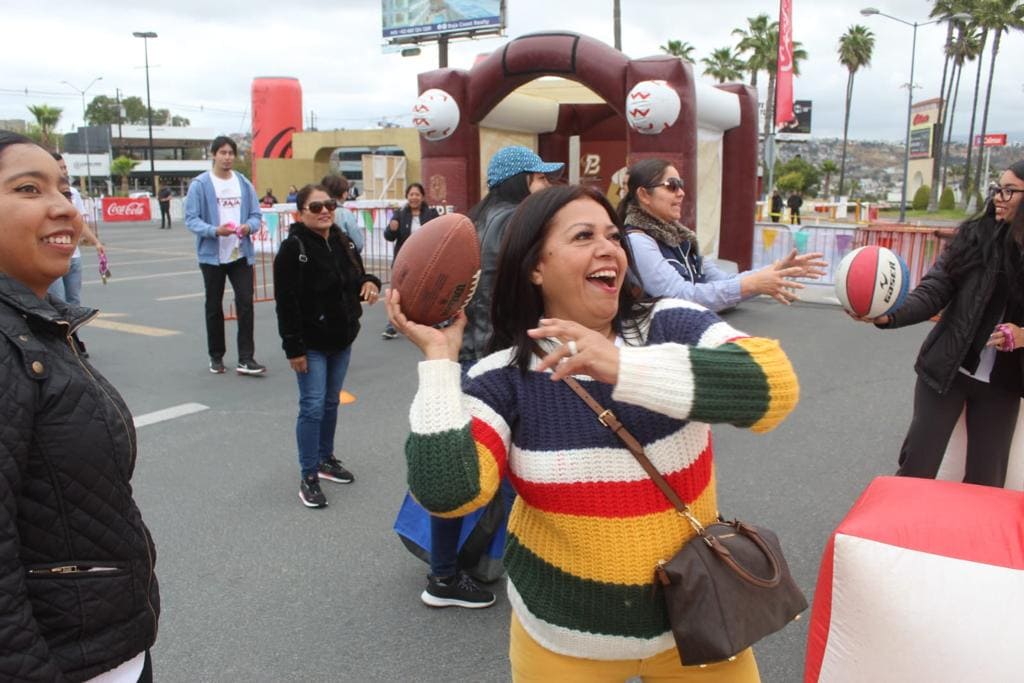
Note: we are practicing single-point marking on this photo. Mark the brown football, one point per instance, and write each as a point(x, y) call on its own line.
point(437, 268)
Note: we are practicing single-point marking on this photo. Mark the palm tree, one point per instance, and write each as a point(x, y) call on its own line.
point(679, 48)
point(966, 183)
point(122, 167)
point(855, 48)
point(999, 17)
point(761, 40)
point(756, 40)
point(827, 168)
point(47, 118)
point(723, 65)
point(943, 10)
point(965, 48)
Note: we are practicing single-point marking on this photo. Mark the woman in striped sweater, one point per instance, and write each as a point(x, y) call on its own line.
point(589, 525)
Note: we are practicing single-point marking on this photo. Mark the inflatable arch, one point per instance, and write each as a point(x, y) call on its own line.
point(713, 141)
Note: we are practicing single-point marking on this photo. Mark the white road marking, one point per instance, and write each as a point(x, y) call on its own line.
point(227, 292)
point(168, 414)
point(115, 279)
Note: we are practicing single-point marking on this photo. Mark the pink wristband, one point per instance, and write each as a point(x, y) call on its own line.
point(1009, 344)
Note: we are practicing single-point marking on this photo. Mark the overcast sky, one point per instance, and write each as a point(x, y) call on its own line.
point(207, 54)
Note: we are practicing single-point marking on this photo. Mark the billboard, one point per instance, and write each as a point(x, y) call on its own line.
point(921, 142)
point(404, 19)
point(801, 122)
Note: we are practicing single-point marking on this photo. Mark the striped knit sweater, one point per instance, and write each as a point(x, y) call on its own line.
point(589, 525)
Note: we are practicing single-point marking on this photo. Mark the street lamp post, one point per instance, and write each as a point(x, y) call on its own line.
point(869, 11)
point(146, 35)
point(85, 126)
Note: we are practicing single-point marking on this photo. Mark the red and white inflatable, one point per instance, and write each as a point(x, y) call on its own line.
point(923, 581)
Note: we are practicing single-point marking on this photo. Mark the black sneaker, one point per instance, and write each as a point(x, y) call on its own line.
point(456, 591)
point(310, 493)
point(217, 366)
point(250, 367)
point(331, 469)
point(389, 332)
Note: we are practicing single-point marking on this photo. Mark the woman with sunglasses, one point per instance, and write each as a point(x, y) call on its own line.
point(319, 282)
point(972, 357)
point(405, 222)
point(668, 259)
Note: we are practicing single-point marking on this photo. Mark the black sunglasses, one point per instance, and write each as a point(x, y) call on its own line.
point(673, 184)
point(317, 207)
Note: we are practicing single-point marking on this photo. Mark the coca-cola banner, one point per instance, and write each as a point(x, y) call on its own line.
point(125, 209)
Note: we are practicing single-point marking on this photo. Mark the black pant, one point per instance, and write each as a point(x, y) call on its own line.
point(991, 420)
point(165, 213)
point(240, 274)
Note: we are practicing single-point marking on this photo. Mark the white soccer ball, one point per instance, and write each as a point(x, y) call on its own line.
point(652, 106)
point(435, 114)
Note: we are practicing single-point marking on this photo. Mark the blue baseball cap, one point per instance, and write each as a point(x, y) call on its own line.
point(510, 161)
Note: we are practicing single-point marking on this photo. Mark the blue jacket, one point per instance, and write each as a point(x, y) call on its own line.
point(202, 216)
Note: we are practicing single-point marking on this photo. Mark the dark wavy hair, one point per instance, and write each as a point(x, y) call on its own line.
point(510, 191)
point(983, 242)
point(9, 139)
point(336, 185)
point(303, 194)
point(644, 173)
point(517, 303)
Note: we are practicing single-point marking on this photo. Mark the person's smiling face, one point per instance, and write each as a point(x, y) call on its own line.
point(582, 265)
point(1006, 209)
point(39, 227)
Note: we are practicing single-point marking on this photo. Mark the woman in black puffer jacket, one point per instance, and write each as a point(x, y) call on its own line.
point(404, 223)
point(972, 357)
point(319, 281)
point(78, 593)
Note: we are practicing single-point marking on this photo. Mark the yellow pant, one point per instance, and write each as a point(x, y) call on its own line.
point(533, 663)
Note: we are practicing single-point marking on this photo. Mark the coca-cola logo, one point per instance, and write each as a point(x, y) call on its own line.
point(123, 209)
point(128, 209)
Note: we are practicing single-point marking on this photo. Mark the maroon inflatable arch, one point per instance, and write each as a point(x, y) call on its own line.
point(451, 167)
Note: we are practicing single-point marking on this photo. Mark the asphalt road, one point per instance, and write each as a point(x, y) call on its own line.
point(257, 587)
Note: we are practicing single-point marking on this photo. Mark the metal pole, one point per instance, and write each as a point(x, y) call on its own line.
point(906, 146)
point(617, 23)
point(149, 112)
point(88, 166)
point(442, 52)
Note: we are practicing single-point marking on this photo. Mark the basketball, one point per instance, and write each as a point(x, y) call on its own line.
point(436, 271)
point(871, 282)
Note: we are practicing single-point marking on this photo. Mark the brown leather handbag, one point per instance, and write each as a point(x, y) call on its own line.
point(726, 589)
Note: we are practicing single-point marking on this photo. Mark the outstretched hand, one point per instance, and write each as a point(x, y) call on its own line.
point(774, 282)
point(434, 343)
point(812, 264)
point(583, 351)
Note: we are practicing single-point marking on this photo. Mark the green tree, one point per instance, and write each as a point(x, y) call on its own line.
point(790, 182)
point(810, 176)
point(121, 167)
point(101, 111)
point(920, 201)
point(947, 202)
point(999, 17)
point(134, 110)
point(723, 65)
point(855, 48)
point(46, 118)
point(180, 121)
point(679, 48)
point(828, 167)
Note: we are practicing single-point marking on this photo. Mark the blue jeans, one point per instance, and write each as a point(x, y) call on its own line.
point(69, 287)
point(319, 387)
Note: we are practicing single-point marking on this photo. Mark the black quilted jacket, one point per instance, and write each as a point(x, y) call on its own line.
point(78, 595)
